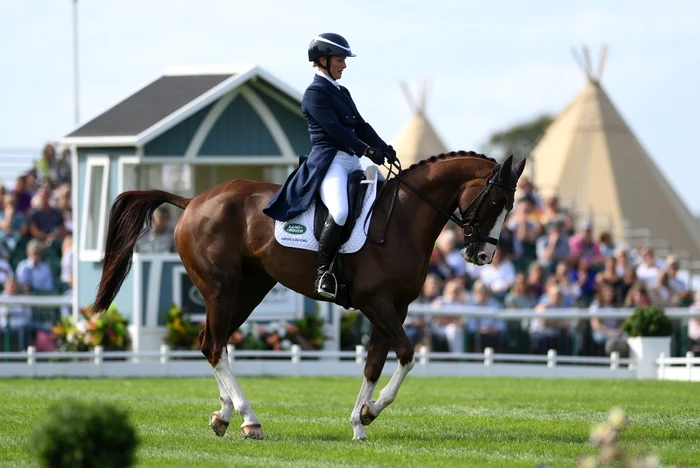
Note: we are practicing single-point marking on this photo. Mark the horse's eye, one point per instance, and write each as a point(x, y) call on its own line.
point(494, 203)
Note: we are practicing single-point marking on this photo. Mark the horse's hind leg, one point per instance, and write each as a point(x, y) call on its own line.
point(226, 312)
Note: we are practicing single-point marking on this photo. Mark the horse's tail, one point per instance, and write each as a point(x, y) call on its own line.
point(130, 218)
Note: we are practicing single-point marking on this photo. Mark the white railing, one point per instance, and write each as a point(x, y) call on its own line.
point(679, 368)
point(37, 301)
point(298, 362)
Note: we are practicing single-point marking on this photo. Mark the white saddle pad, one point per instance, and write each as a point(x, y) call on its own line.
point(298, 232)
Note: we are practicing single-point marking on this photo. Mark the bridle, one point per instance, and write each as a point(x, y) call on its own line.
point(467, 222)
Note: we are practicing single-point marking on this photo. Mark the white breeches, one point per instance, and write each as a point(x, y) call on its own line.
point(334, 188)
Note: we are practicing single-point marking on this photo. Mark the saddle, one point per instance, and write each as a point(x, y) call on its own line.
point(356, 197)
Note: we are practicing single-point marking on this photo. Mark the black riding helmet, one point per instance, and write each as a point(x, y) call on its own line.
point(327, 45)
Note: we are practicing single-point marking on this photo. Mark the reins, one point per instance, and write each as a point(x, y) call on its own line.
point(463, 221)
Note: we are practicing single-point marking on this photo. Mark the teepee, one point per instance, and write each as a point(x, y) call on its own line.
point(593, 161)
point(417, 139)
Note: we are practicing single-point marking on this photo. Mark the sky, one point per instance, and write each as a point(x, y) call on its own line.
point(489, 64)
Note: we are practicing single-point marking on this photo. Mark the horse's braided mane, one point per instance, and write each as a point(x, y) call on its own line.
point(451, 154)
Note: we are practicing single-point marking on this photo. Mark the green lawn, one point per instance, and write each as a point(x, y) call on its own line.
point(433, 422)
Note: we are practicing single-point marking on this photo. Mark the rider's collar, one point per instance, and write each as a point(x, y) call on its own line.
point(335, 83)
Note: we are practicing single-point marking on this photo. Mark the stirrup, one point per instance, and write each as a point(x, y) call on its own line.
point(323, 293)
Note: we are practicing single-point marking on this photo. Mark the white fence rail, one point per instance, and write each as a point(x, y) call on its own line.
point(679, 368)
point(297, 362)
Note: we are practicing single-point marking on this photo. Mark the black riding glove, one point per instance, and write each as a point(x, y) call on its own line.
point(377, 155)
point(390, 154)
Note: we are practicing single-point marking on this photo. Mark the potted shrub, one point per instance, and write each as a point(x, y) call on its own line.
point(648, 332)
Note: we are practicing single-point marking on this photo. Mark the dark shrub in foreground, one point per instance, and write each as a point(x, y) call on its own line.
point(84, 434)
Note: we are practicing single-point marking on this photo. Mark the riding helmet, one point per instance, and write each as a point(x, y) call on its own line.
point(329, 44)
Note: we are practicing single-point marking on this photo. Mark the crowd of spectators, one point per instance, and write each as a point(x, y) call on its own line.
point(546, 259)
point(36, 232)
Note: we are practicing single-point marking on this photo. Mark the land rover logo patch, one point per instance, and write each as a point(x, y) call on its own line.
point(296, 229)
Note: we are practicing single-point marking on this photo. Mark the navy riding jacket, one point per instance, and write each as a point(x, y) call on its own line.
point(334, 125)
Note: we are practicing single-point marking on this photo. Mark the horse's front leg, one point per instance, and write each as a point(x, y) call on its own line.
point(376, 358)
point(388, 331)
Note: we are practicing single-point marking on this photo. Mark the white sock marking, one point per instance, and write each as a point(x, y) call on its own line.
point(240, 402)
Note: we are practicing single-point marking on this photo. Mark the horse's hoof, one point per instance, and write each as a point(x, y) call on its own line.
point(253, 431)
point(366, 416)
point(218, 425)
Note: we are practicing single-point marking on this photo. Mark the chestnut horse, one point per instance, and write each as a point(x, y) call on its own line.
point(228, 247)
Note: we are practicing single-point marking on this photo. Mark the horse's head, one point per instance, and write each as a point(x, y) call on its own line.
point(484, 213)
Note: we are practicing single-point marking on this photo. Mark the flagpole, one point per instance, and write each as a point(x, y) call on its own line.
point(75, 62)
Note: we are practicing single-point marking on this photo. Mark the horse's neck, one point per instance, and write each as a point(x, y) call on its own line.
point(441, 182)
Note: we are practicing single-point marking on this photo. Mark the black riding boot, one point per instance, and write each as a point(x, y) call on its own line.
point(329, 241)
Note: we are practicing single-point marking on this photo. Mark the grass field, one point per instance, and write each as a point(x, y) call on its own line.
point(434, 421)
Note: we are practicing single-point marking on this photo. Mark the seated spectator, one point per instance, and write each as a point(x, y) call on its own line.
point(63, 166)
point(66, 276)
point(607, 245)
point(554, 214)
point(546, 334)
point(17, 317)
point(3, 192)
point(5, 267)
point(604, 330)
point(63, 204)
point(32, 183)
point(520, 296)
point(452, 257)
point(525, 230)
point(446, 332)
point(662, 294)
point(499, 275)
point(609, 276)
point(672, 268)
point(46, 165)
point(526, 189)
point(415, 324)
point(23, 195)
point(438, 266)
point(160, 238)
point(553, 246)
point(623, 261)
point(492, 333)
point(569, 288)
point(536, 279)
point(582, 245)
point(46, 222)
point(584, 278)
point(648, 271)
point(10, 221)
point(638, 296)
point(32, 272)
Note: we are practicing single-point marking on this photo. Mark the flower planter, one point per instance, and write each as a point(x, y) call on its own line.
point(644, 351)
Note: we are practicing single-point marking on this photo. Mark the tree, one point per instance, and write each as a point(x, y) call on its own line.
point(519, 139)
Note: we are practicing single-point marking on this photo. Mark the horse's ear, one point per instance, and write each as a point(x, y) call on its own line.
point(504, 172)
point(519, 168)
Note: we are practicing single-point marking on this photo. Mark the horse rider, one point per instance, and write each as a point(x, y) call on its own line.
point(339, 138)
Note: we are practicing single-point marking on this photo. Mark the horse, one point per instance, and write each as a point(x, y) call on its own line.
point(228, 248)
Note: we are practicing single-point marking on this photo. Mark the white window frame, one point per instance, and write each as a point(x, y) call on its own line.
point(124, 161)
point(85, 254)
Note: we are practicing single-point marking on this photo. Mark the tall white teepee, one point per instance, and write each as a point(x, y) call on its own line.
point(417, 139)
point(591, 158)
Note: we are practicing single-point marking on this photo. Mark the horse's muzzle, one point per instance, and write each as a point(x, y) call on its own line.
point(477, 254)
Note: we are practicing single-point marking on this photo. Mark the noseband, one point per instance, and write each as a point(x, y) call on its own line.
point(470, 227)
